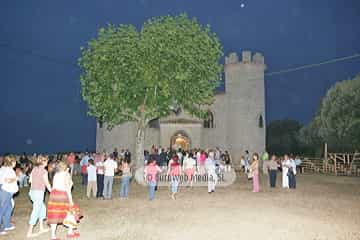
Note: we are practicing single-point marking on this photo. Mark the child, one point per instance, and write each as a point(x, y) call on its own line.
point(150, 172)
point(91, 178)
point(21, 176)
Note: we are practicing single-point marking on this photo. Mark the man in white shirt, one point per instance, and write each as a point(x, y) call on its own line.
point(211, 174)
point(91, 183)
point(110, 167)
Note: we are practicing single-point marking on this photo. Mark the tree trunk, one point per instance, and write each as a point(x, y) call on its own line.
point(139, 145)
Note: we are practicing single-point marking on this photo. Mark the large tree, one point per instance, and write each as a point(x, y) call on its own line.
point(138, 76)
point(338, 119)
point(339, 115)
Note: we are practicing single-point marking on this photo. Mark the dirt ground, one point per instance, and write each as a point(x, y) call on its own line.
point(322, 207)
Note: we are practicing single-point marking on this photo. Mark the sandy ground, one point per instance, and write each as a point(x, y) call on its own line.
point(322, 207)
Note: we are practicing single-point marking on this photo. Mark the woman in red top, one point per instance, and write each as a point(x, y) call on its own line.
point(150, 173)
point(39, 182)
point(174, 172)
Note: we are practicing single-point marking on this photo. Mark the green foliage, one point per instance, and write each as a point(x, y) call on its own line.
point(339, 116)
point(311, 144)
point(131, 75)
point(338, 119)
point(282, 137)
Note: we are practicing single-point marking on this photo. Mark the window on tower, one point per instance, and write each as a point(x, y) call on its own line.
point(209, 120)
point(261, 121)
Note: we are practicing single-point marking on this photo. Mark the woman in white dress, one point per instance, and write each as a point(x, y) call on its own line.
point(285, 168)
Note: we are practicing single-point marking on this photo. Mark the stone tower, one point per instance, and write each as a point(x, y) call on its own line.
point(245, 103)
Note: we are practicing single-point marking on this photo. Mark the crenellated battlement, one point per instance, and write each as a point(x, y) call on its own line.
point(246, 58)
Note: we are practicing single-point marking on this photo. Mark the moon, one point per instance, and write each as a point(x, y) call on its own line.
point(242, 5)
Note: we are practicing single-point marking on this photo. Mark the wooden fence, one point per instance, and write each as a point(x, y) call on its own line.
point(338, 164)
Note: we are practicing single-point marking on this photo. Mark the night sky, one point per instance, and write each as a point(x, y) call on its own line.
point(41, 108)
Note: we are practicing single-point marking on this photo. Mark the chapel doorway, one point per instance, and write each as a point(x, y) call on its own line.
point(180, 140)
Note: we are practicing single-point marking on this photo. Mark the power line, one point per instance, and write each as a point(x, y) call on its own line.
point(334, 60)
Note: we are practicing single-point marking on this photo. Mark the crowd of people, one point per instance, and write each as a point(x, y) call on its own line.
point(98, 170)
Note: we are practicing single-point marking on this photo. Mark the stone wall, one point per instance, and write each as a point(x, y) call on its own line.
point(216, 137)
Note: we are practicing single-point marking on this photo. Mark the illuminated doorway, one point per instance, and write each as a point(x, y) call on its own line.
point(180, 140)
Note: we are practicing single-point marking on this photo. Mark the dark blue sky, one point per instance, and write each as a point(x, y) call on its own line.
point(41, 108)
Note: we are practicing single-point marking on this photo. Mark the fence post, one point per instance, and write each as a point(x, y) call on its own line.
point(325, 164)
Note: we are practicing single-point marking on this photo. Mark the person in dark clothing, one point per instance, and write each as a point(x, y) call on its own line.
point(127, 156)
point(162, 158)
point(154, 156)
point(273, 168)
point(115, 154)
point(291, 175)
point(24, 159)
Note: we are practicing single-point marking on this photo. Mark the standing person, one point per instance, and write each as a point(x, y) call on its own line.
point(150, 173)
point(265, 160)
point(198, 156)
point(116, 154)
point(99, 163)
point(211, 174)
point(217, 154)
point(227, 160)
point(9, 187)
point(242, 163)
point(91, 179)
point(21, 176)
point(125, 179)
point(272, 167)
point(285, 164)
point(255, 172)
point(110, 166)
point(292, 173)
point(127, 156)
point(189, 166)
point(83, 165)
point(122, 154)
point(180, 155)
point(39, 181)
point(60, 200)
point(162, 158)
point(247, 161)
point(203, 157)
point(298, 164)
point(174, 172)
point(71, 162)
